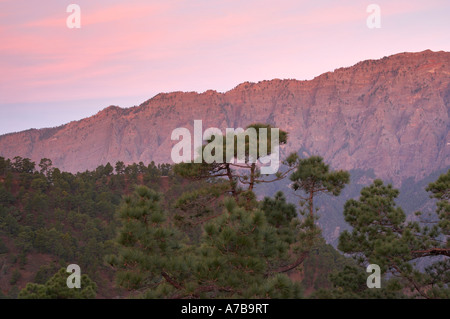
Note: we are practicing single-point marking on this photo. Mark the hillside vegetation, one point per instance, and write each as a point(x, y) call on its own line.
point(185, 232)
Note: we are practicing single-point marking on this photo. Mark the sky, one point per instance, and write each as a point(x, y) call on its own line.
point(126, 52)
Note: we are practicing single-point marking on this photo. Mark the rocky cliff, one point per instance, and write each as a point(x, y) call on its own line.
point(390, 115)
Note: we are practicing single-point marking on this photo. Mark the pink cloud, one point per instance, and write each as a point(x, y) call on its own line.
point(168, 45)
point(114, 13)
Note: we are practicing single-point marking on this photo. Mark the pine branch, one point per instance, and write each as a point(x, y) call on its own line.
point(431, 252)
point(206, 219)
point(411, 281)
point(296, 263)
point(171, 280)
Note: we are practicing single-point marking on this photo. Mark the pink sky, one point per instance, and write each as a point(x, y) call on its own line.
point(128, 51)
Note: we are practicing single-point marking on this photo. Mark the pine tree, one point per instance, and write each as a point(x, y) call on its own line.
point(351, 283)
point(382, 236)
point(441, 191)
point(242, 177)
point(313, 177)
point(235, 257)
point(56, 288)
point(152, 247)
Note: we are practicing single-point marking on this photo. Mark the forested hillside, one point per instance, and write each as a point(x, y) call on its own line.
point(189, 231)
point(50, 219)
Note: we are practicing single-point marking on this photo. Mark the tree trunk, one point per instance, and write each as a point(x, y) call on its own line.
point(233, 185)
point(252, 177)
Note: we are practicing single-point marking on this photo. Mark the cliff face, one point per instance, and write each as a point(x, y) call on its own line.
point(389, 115)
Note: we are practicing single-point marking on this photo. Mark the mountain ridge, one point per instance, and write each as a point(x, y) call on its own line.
point(382, 114)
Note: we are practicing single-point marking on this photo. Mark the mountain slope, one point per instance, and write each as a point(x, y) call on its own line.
point(390, 115)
